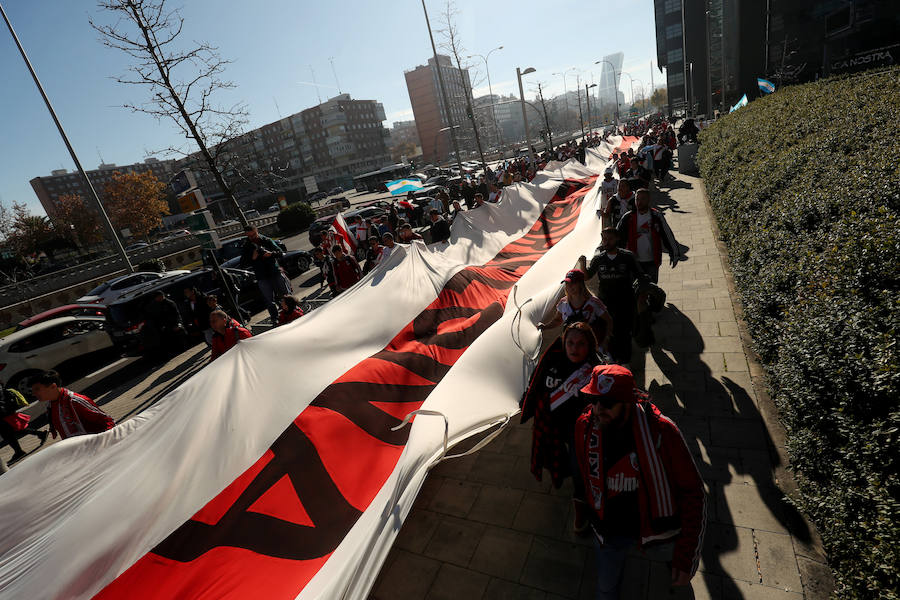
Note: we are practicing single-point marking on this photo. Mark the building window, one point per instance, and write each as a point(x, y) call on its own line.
point(673, 31)
point(673, 6)
point(674, 56)
point(676, 78)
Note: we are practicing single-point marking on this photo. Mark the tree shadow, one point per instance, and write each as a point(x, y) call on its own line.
point(724, 431)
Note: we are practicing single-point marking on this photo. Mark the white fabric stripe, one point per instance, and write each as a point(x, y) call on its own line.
point(661, 536)
point(662, 484)
point(695, 563)
point(667, 490)
point(645, 441)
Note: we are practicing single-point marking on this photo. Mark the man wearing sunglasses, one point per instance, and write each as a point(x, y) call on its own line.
point(640, 480)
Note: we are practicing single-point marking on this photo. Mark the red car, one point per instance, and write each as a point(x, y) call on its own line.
point(66, 310)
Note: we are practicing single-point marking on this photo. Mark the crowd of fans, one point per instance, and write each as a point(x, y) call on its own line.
point(634, 480)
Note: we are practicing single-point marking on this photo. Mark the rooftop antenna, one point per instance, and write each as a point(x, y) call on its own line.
point(331, 60)
point(278, 110)
point(316, 85)
point(100, 156)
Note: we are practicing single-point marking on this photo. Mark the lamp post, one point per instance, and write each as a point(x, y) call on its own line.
point(519, 74)
point(439, 132)
point(117, 242)
point(615, 86)
point(587, 99)
point(491, 91)
point(566, 93)
point(437, 65)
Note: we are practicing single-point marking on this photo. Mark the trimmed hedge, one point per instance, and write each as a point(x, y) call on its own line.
point(805, 185)
point(295, 217)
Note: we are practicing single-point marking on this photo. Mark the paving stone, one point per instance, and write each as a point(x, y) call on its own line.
point(722, 344)
point(500, 589)
point(751, 506)
point(736, 361)
point(698, 304)
point(502, 553)
point(724, 303)
point(492, 467)
point(518, 440)
point(455, 498)
point(453, 583)
point(696, 284)
point(777, 561)
point(729, 551)
point(417, 530)
point(409, 577)
point(659, 585)
point(756, 468)
point(542, 514)
point(741, 590)
point(738, 433)
point(496, 505)
point(454, 541)
point(555, 567)
point(521, 477)
point(716, 315)
point(728, 328)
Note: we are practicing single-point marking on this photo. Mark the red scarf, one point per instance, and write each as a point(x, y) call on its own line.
point(654, 478)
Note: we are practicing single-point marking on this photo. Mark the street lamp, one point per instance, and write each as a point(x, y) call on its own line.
point(566, 93)
point(616, 86)
point(490, 91)
point(587, 98)
point(519, 74)
point(434, 142)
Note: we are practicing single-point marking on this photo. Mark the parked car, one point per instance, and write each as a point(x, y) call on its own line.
point(273, 208)
point(319, 226)
point(335, 190)
point(136, 246)
point(316, 197)
point(66, 310)
point(109, 291)
point(294, 262)
point(344, 203)
point(125, 319)
point(57, 344)
point(251, 214)
point(439, 180)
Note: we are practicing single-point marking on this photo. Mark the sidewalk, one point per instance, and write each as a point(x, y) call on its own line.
point(483, 528)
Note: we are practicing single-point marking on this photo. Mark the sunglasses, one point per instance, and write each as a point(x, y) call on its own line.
point(605, 402)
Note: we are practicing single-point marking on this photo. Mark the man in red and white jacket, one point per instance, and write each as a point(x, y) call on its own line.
point(226, 333)
point(70, 414)
point(639, 477)
point(644, 232)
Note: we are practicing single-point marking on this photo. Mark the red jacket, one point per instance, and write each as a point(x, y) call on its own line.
point(285, 317)
point(680, 493)
point(221, 343)
point(72, 414)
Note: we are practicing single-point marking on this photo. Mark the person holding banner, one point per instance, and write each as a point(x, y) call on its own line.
point(346, 269)
point(262, 254)
point(552, 399)
point(70, 414)
point(14, 424)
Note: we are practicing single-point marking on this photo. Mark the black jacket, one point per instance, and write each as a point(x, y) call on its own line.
point(263, 267)
point(440, 230)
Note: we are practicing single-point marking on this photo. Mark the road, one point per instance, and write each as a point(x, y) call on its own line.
point(125, 386)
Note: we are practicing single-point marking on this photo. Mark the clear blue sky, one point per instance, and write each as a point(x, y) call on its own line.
point(273, 44)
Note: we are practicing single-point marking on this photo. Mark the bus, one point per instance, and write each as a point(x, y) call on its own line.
point(374, 181)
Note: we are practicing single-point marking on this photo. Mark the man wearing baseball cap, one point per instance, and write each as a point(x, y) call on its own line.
point(639, 478)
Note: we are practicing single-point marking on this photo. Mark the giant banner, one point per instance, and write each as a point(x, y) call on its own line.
point(283, 470)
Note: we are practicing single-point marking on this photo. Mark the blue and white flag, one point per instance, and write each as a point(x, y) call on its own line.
point(765, 86)
point(402, 186)
point(742, 102)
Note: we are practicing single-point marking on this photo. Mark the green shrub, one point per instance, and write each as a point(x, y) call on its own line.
point(805, 185)
point(295, 217)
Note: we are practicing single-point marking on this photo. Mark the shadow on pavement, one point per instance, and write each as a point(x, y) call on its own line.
point(692, 394)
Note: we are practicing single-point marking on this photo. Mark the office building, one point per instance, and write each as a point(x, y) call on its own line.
point(432, 117)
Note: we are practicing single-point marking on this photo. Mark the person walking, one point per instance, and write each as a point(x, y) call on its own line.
point(70, 414)
point(226, 333)
point(644, 232)
point(440, 228)
point(197, 311)
point(617, 269)
point(640, 480)
point(579, 304)
point(163, 334)
point(346, 269)
point(261, 254)
point(14, 424)
point(552, 399)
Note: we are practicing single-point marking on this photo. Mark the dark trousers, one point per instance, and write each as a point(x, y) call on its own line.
point(622, 314)
point(11, 436)
point(651, 270)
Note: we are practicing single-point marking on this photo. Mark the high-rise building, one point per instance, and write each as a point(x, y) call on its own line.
point(431, 115)
point(61, 182)
point(610, 74)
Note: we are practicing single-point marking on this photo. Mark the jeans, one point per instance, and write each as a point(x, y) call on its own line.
point(273, 289)
point(610, 563)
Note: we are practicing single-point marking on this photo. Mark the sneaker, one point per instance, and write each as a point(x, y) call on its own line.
point(580, 511)
point(17, 457)
point(43, 435)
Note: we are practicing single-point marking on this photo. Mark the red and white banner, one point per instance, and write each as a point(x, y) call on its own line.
point(277, 472)
point(342, 232)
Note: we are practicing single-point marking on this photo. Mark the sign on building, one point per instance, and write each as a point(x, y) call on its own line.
point(310, 183)
point(191, 201)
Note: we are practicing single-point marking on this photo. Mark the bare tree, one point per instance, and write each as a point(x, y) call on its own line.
point(453, 45)
point(183, 82)
point(546, 118)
